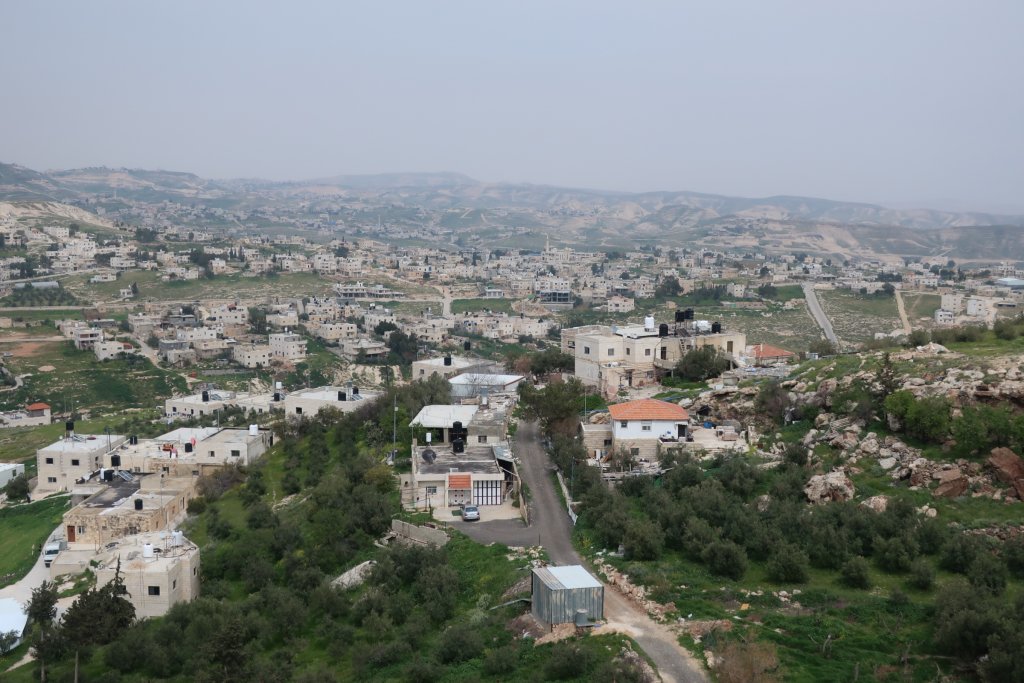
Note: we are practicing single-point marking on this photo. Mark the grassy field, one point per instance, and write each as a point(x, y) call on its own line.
point(921, 308)
point(25, 527)
point(151, 287)
point(85, 383)
point(857, 317)
point(790, 329)
point(474, 305)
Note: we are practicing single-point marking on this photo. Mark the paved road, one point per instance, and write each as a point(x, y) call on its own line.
point(552, 529)
point(819, 314)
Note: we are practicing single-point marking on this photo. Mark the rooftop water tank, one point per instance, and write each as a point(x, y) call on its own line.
point(147, 551)
point(649, 323)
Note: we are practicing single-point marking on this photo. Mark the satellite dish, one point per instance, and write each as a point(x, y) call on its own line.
point(429, 456)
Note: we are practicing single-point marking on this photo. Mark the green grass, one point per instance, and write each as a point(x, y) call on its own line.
point(87, 384)
point(856, 317)
point(476, 305)
point(25, 528)
point(151, 287)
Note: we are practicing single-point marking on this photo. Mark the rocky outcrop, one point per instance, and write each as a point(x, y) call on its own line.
point(877, 503)
point(827, 488)
point(355, 576)
point(1008, 468)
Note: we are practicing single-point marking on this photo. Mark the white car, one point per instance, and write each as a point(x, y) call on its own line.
point(470, 513)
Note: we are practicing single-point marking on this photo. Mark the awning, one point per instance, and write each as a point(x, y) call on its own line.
point(460, 481)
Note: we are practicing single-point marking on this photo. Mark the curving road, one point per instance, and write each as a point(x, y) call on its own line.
point(552, 529)
point(819, 313)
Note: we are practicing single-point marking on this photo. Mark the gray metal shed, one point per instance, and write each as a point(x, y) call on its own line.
point(558, 592)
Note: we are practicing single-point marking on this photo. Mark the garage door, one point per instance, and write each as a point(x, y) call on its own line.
point(487, 492)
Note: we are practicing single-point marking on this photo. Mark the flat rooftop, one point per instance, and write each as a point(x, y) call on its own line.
point(129, 550)
point(83, 443)
point(113, 493)
point(485, 380)
point(475, 460)
point(442, 416)
point(331, 394)
point(457, 362)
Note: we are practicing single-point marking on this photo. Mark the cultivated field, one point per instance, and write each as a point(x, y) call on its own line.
point(856, 317)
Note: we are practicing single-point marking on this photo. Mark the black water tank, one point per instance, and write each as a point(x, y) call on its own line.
point(716, 328)
point(466, 346)
point(206, 396)
point(355, 391)
point(458, 445)
point(680, 316)
point(447, 360)
point(69, 425)
point(688, 314)
point(663, 330)
point(138, 503)
point(115, 461)
point(342, 396)
point(188, 447)
point(456, 430)
point(108, 475)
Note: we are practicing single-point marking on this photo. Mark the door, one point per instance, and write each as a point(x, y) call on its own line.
point(71, 533)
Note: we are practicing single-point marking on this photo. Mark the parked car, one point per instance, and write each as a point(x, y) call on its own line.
point(470, 513)
point(51, 550)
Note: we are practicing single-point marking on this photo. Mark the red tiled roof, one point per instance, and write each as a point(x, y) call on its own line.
point(648, 409)
point(459, 481)
point(769, 351)
point(37, 406)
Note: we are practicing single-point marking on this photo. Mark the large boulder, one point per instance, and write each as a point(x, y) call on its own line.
point(355, 576)
point(952, 483)
point(826, 488)
point(1009, 468)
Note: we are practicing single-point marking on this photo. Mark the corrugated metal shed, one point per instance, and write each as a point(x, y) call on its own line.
point(558, 592)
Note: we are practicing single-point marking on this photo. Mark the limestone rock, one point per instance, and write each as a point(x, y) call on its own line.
point(1009, 468)
point(355, 576)
point(877, 503)
point(825, 488)
point(887, 463)
point(952, 483)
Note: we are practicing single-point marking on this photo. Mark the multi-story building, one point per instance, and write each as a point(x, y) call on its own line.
point(75, 456)
point(287, 346)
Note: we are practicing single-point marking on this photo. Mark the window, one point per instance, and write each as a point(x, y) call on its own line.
point(74, 463)
point(195, 570)
point(174, 584)
point(611, 352)
point(235, 454)
point(647, 352)
point(421, 372)
point(298, 410)
point(154, 590)
point(482, 438)
point(586, 350)
point(728, 347)
point(49, 461)
point(645, 425)
point(634, 451)
point(431, 490)
point(51, 480)
point(213, 454)
point(629, 351)
point(624, 423)
point(81, 529)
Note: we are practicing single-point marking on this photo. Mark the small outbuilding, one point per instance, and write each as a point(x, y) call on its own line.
point(559, 593)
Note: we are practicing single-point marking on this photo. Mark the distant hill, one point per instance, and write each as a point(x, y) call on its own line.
point(580, 214)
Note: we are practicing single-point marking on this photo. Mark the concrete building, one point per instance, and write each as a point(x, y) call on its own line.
point(73, 457)
point(34, 414)
point(8, 471)
point(445, 366)
point(977, 308)
point(251, 355)
point(640, 426)
point(309, 402)
point(287, 346)
point(472, 384)
point(208, 402)
point(190, 451)
point(110, 350)
point(944, 317)
point(85, 338)
point(621, 304)
point(119, 508)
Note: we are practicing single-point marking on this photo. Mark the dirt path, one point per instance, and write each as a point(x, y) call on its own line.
point(903, 313)
point(819, 314)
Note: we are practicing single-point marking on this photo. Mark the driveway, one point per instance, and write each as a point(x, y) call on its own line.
point(552, 529)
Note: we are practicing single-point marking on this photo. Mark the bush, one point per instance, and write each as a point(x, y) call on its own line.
point(17, 489)
point(788, 564)
point(1013, 555)
point(922, 575)
point(959, 553)
point(856, 573)
point(895, 554)
point(568, 661)
point(987, 574)
point(963, 622)
point(197, 506)
point(644, 540)
point(459, 643)
point(725, 558)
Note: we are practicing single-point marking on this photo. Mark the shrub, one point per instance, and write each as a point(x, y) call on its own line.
point(856, 573)
point(1013, 555)
point(788, 564)
point(568, 661)
point(701, 364)
point(963, 622)
point(644, 540)
point(895, 554)
point(460, 642)
point(725, 558)
point(959, 553)
point(922, 575)
point(987, 574)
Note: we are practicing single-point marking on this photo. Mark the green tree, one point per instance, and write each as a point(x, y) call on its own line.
point(788, 564)
point(17, 489)
point(725, 558)
point(99, 615)
point(701, 364)
point(856, 573)
point(555, 406)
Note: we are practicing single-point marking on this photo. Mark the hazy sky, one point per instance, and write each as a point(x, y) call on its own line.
point(901, 102)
